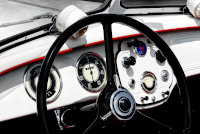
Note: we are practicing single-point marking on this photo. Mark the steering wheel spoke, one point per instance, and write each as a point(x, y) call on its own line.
point(156, 123)
point(93, 126)
point(109, 51)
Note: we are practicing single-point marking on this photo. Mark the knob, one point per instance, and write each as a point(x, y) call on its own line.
point(134, 42)
point(164, 75)
point(127, 62)
point(131, 82)
point(144, 98)
point(153, 98)
point(131, 60)
point(159, 57)
point(165, 93)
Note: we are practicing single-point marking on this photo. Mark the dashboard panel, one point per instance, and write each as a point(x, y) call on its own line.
point(13, 95)
point(147, 73)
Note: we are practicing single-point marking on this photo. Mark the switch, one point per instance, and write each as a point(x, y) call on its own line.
point(127, 62)
point(144, 98)
point(131, 82)
point(159, 57)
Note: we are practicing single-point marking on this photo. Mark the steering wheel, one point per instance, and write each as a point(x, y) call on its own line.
point(105, 102)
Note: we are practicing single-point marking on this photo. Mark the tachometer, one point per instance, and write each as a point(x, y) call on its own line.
point(54, 84)
point(91, 72)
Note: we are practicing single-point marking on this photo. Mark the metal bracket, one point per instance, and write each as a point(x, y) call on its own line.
point(106, 116)
point(57, 113)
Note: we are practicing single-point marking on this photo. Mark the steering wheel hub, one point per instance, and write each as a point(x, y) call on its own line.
point(123, 104)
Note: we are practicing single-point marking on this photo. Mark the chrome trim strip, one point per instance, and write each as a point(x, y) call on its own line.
point(62, 120)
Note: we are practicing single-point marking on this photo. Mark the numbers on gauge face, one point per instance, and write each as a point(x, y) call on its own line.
point(102, 72)
point(81, 77)
point(96, 62)
point(80, 66)
point(91, 72)
point(34, 75)
point(54, 83)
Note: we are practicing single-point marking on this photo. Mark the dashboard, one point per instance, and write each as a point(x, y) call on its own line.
point(80, 75)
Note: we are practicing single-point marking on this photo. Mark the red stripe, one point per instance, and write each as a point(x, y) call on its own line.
point(98, 42)
point(40, 58)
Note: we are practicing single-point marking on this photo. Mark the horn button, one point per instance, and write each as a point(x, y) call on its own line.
point(122, 104)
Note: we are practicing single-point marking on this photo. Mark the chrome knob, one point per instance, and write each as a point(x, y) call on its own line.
point(164, 75)
point(131, 82)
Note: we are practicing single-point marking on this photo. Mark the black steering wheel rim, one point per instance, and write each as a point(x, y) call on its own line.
point(107, 20)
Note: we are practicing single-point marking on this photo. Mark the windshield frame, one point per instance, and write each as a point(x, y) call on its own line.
point(161, 6)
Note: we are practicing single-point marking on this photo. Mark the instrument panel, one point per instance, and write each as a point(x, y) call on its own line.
point(90, 70)
point(144, 71)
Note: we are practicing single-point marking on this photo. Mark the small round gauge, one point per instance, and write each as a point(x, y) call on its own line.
point(54, 84)
point(91, 72)
point(148, 82)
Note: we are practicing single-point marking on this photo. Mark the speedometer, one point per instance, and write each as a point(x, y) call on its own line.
point(54, 83)
point(91, 72)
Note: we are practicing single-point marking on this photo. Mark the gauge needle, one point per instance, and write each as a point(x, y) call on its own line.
point(91, 73)
point(90, 70)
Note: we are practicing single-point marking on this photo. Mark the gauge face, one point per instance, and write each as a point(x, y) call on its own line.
point(91, 72)
point(54, 83)
point(148, 82)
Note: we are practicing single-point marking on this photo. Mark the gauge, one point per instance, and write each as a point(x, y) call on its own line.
point(141, 49)
point(148, 82)
point(54, 84)
point(91, 72)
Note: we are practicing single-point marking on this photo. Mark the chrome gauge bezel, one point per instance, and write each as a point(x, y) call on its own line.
point(30, 93)
point(104, 65)
point(143, 86)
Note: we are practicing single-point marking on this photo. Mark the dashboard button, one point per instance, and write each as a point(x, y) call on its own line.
point(164, 75)
point(159, 57)
point(124, 104)
point(153, 98)
point(131, 82)
point(131, 60)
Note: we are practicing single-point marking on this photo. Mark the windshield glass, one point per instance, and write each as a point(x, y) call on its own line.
point(152, 3)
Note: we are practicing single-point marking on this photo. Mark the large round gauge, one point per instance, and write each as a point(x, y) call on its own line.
point(54, 84)
point(148, 82)
point(91, 72)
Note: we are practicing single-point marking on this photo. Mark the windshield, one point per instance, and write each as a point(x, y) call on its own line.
point(152, 3)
